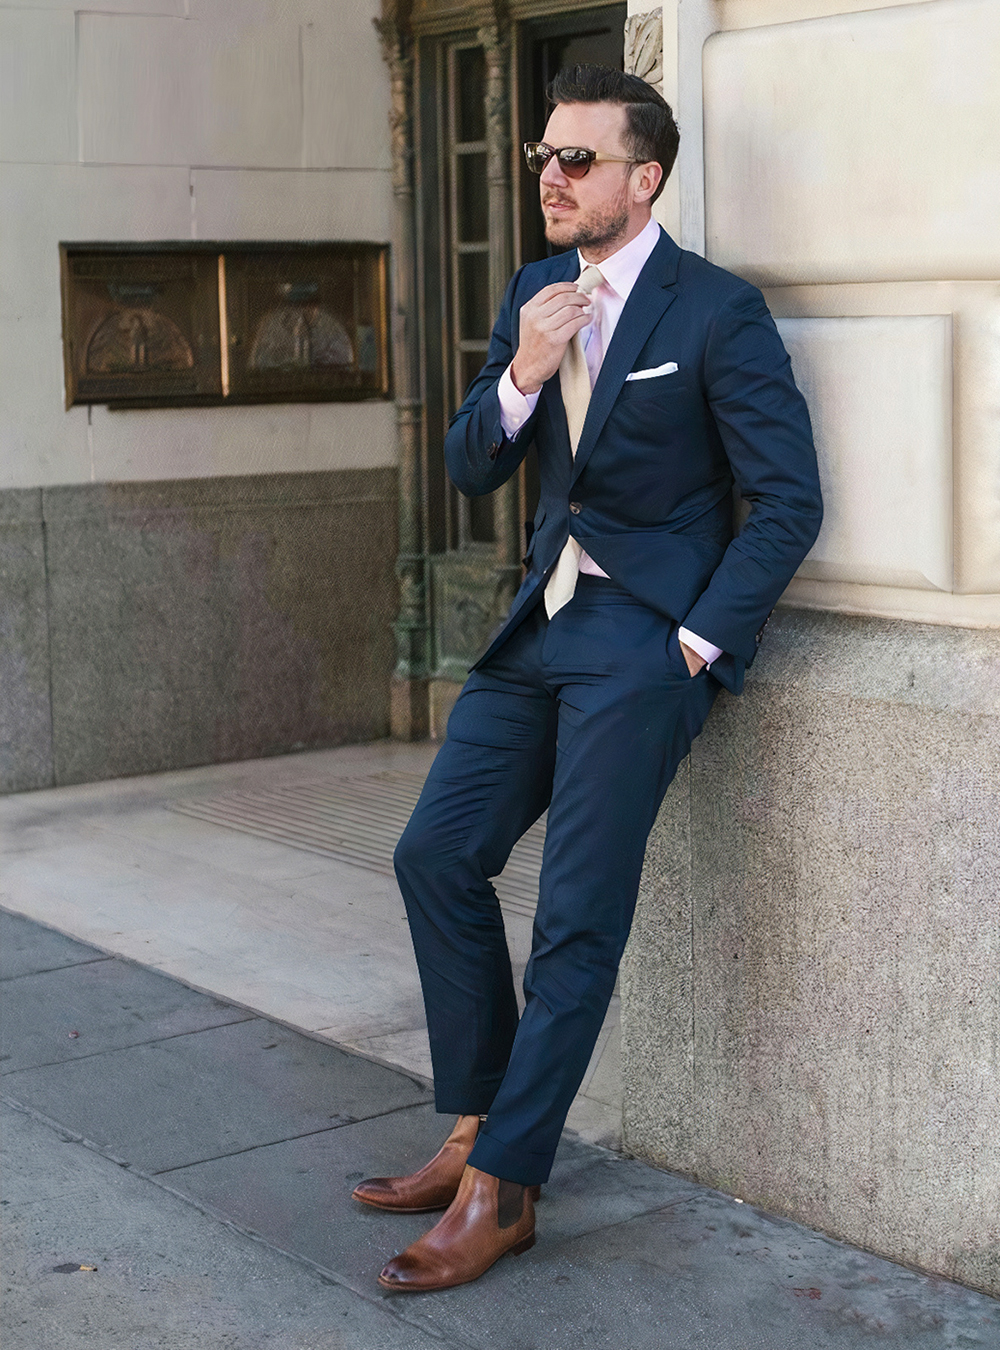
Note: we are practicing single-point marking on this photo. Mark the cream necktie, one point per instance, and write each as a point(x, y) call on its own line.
point(574, 383)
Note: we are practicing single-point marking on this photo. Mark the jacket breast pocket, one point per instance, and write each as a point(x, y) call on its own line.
point(655, 389)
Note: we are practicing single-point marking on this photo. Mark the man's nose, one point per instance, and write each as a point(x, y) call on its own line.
point(552, 175)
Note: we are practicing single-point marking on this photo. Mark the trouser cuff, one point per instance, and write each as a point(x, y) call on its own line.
point(466, 1098)
point(509, 1164)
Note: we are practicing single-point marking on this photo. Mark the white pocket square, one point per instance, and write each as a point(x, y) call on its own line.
point(667, 368)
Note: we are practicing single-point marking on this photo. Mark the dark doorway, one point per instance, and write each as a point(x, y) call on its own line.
point(473, 545)
point(546, 47)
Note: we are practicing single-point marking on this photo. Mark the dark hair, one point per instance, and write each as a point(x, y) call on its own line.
point(650, 130)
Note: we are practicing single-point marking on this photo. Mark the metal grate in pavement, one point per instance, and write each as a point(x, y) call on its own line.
point(357, 821)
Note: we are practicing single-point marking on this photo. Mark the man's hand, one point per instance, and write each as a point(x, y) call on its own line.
point(549, 321)
point(693, 660)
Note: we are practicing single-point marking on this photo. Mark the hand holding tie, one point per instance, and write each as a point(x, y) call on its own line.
point(549, 321)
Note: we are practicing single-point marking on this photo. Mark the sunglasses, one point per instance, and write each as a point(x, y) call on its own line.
point(574, 160)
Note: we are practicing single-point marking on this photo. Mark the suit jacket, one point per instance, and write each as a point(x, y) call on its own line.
point(649, 494)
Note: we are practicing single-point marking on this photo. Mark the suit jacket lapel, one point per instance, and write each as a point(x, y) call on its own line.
point(650, 298)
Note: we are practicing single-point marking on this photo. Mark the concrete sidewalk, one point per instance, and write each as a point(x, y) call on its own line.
point(245, 1039)
point(308, 939)
point(179, 1173)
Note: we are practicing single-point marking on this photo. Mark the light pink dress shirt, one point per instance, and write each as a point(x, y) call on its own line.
point(620, 271)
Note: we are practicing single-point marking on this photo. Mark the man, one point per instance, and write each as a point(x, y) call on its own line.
point(647, 387)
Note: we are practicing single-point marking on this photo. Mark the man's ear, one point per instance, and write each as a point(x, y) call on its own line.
point(646, 181)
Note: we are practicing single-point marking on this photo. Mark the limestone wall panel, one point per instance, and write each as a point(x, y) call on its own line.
point(237, 441)
point(975, 310)
point(256, 204)
point(249, 82)
point(879, 392)
point(138, 93)
point(345, 118)
point(37, 52)
point(757, 13)
point(351, 435)
point(822, 135)
point(175, 8)
point(158, 90)
point(41, 205)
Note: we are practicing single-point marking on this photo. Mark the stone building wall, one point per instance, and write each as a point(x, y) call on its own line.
point(811, 1014)
point(176, 583)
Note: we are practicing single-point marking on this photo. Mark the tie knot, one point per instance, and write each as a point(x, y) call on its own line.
point(589, 280)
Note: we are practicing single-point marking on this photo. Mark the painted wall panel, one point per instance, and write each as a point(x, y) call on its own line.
point(40, 442)
point(345, 119)
point(181, 91)
point(249, 89)
point(37, 86)
point(879, 392)
point(857, 147)
point(258, 204)
point(138, 89)
point(975, 310)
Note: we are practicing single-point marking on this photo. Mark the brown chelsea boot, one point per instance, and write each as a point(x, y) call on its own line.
point(487, 1218)
point(434, 1186)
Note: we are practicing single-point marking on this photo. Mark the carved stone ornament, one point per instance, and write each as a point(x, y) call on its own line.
point(644, 47)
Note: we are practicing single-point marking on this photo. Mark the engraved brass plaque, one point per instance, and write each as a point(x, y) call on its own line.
point(175, 324)
point(307, 324)
point(140, 326)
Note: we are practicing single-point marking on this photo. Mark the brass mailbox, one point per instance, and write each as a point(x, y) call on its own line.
point(179, 324)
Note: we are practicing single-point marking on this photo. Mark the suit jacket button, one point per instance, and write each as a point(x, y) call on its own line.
point(493, 449)
point(575, 507)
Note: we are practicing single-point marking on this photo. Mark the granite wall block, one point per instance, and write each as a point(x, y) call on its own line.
point(25, 720)
point(205, 620)
point(811, 1003)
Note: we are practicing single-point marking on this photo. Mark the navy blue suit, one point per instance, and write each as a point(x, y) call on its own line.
point(590, 713)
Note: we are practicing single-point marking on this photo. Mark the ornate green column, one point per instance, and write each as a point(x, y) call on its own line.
point(409, 709)
point(495, 38)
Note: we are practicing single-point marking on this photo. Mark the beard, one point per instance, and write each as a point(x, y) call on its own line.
point(598, 229)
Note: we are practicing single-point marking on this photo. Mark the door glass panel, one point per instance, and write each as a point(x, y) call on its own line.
point(472, 364)
point(472, 204)
point(470, 106)
point(474, 295)
point(468, 254)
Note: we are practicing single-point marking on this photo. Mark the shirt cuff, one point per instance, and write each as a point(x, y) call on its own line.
point(706, 650)
point(515, 407)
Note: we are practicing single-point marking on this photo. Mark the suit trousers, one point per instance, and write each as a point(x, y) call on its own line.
point(588, 714)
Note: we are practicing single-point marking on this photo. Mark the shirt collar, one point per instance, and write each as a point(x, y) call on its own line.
point(621, 270)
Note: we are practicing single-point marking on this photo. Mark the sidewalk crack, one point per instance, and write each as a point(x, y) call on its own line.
point(53, 970)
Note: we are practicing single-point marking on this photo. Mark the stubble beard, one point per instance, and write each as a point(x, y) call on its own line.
point(599, 229)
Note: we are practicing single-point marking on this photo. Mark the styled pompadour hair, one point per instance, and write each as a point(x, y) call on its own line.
point(651, 132)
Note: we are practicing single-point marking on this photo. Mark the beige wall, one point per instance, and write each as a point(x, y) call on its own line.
point(810, 1017)
point(179, 119)
point(844, 156)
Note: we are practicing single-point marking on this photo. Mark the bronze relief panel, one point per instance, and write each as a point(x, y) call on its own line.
point(175, 324)
point(140, 326)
